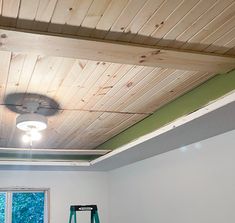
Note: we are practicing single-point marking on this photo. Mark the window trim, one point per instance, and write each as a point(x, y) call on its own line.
point(9, 192)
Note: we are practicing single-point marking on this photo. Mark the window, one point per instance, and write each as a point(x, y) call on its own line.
point(23, 206)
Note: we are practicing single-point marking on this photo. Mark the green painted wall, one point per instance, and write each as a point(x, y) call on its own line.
point(197, 98)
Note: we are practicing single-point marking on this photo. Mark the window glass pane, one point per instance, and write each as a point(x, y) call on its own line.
point(28, 207)
point(2, 207)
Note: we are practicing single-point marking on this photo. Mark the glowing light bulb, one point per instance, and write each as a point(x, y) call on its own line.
point(31, 136)
point(26, 138)
point(35, 136)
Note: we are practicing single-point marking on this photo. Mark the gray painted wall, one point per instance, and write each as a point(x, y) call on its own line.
point(193, 184)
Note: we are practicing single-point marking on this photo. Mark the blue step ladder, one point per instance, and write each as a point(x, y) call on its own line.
point(76, 208)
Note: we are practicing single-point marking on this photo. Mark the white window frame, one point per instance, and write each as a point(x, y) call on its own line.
point(8, 208)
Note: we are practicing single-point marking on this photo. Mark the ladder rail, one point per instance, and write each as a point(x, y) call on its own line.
point(76, 208)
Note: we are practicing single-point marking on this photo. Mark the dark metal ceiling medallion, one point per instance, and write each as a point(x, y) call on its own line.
point(22, 103)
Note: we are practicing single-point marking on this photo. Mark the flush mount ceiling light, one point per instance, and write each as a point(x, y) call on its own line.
point(31, 122)
point(32, 110)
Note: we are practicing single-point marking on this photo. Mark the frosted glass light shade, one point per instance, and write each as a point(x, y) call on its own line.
point(31, 122)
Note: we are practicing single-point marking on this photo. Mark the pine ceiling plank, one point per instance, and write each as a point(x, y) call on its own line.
point(53, 133)
point(4, 65)
point(14, 73)
point(222, 30)
point(68, 122)
point(78, 13)
point(28, 9)
point(62, 11)
point(116, 76)
point(61, 74)
point(45, 10)
point(98, 128)
point(60, 15)
point(128, 13)
point(14, 135)
point(120, 125)
point(47, 80)
point(74, 81)
point(203, 20)
point(100, 84)
point(10, 8)
point(118, 98)
point(8, 125)
point(2, 140)
point(223, 43)
point(230, 46)
point(4, 69)
point(210, 27)
point(86, 116)
point(67, 88)
point(77, 126)
point(180, 89)
point(30, 61)
point(93, 16)
point(140, 19)
point(134, 88)
point(151, 98)
point(101, 104)
point(44, 13)
point(156, 20)
point(27, 13)
point(162, 78)
point(231, 51)
point(179, 14)
point(43, 74)
point(1, 7)
point(109, 17)
point(78, 67)
point(95, 78)
point(191, 16)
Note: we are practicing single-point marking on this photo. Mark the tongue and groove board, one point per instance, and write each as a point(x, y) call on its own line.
point(97, 99)
point(192, 24)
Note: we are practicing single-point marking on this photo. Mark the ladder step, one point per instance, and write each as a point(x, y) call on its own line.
point(76, 208)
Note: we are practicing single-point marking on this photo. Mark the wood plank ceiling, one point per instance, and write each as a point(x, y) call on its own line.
point(100, 99)
point(202, 25)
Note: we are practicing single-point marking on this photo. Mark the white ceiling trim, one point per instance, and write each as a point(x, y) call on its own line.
point(55, 151)
point(45, 163)
point(226, 99)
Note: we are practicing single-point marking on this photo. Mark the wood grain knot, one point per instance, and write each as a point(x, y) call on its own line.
point(156, 52)
point(129, 84)
point(3, 36)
